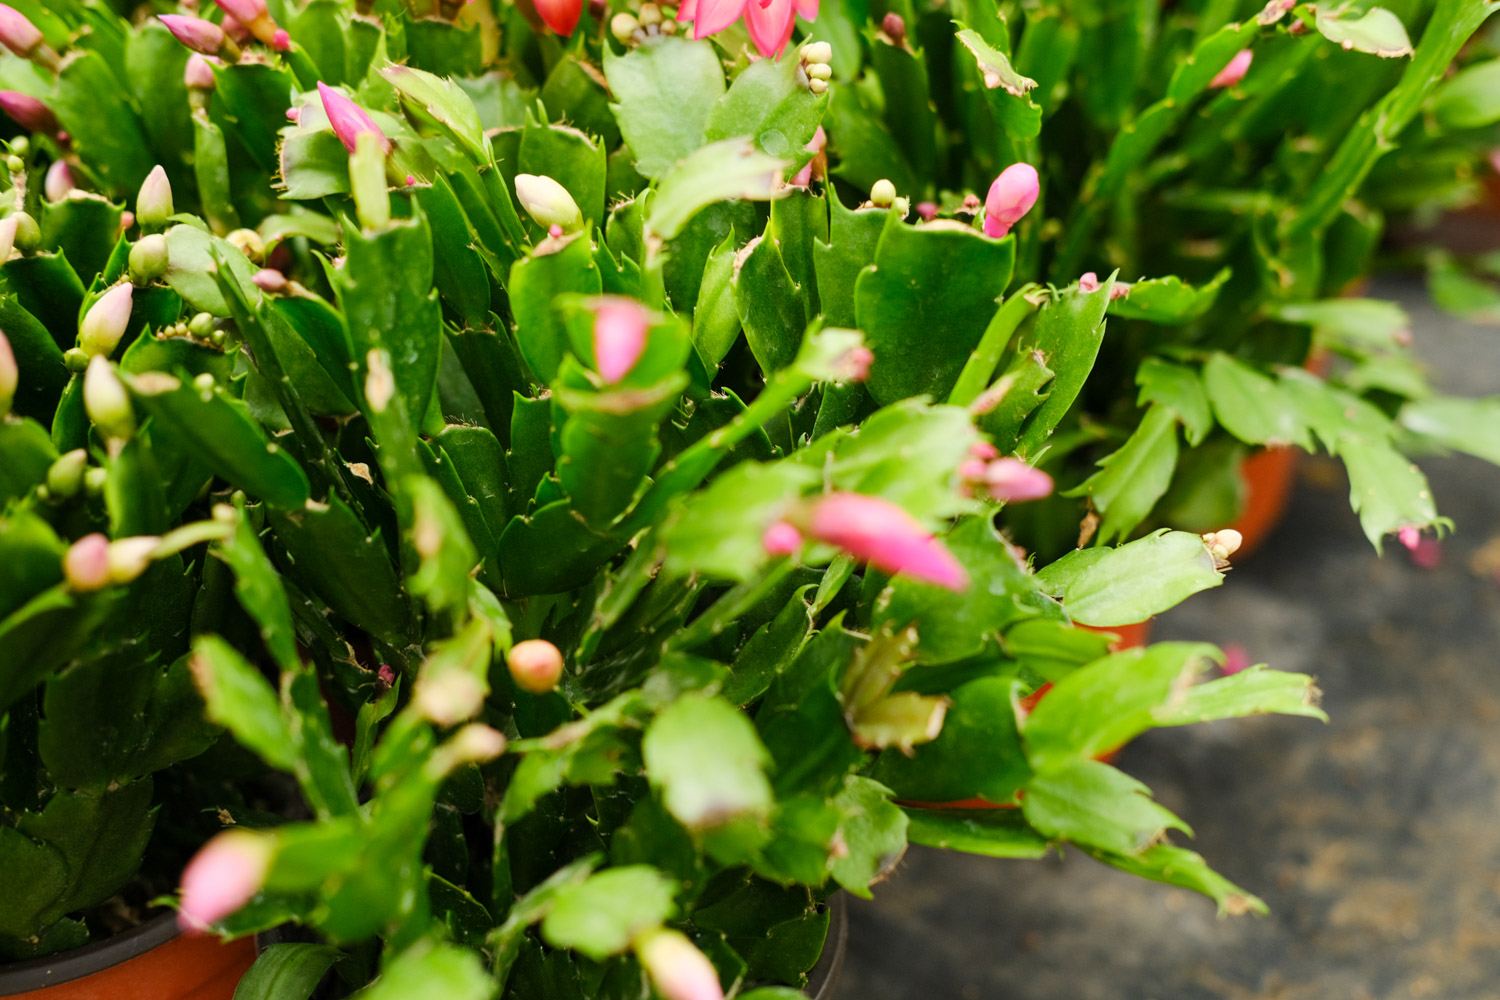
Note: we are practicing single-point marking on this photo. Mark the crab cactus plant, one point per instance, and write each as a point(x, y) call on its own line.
point(513, 469)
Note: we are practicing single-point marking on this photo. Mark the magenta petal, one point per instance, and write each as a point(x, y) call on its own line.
point(807, 9)
point(770, 25)
point(348, 119)
point(885, 536)
point(620, 327)
point(712, 16)
point(1010, 198)
point(687, 11)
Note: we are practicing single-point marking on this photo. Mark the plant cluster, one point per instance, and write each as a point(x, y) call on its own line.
point(567, 496)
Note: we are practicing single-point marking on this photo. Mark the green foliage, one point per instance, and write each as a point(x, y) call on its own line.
point(367, 452)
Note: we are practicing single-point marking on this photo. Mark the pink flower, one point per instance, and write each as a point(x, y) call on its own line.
point(1234, 72)
point(620, 327)
point(1010, 198)
point(769, 22)
point(781, 539)
point(560, 15)
point(222, 877)
point(17, 33)
point(885, 536)
point(203, 37)
point(28, 112)
point(678, 970)
point(348, 119)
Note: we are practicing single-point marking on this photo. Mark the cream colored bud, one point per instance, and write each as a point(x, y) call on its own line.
point(817, 53)
point(548, 202)
point(1223, 543)
point(882, 193)
point(622, 26)
point(817, 87)
point(536, 665)
point(819, 71)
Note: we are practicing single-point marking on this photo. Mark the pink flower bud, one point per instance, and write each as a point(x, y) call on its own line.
point(548, 202)
point(620, 327)
point(555, 231)
point(855, 364)
point(10, 375)
point(1010, 480)
point(894, 27)
point(86, 564)
point(1010, 198)
point(886, 536)
point(535, 665)
point(222, 877)
point(1236, 658)
point(349, 119)
point(17, 33)
point(58, 182)
point(234, 29)
point(560, 15)
point(8, 227)
point(203, 37)
point(781, 539)
point(1088, 282)
point(972, 469)
point(294, 115)
point(984, 450)
point(411, 180)
point(28, 112)
point(280, 40)
point(1428, 553)
point(199, 74)
point(270, 281)
point(153, 205)
point(678, 970)
point(1234, 72)
point(104, 324)
point(1410, 537)
point(927, 210)
point(105, 400)
point(252, 16)
point(386, 675)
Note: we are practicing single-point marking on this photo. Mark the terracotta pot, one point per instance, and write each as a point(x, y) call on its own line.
point(1268, 474)
point(149, 962)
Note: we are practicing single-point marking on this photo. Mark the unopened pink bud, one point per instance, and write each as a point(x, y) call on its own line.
point(535, 665)
point(153, 205)
point(58, 182)
point(86, 564)
point(927, 210)
point(678, 970)
point(1088, 282)
point(104, 324)
point(28, 112)
point(18, 33)
point(411, 180)
point(886, 536)
point(234, 29)
point(222, 877)
point(10, 374)
point(202, 36)
point(270, 281)
point(280, 40)
point(1010, 198)
point(1236, 658)
point(620, 328)
point(984, 450)
point(1428, 553)
point(386, 675)
point(560, 15)
point(349, 120)
point(199, 73)
point(894, 27)
point(555, 231)
point(781, 539)
point(1010, 480)
point(855, 364)
point(1235, 71)
point(293, 114)
point(1410, 537)
point(244, 11)
point(972, 470)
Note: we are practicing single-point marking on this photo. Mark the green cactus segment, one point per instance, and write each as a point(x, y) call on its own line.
point(1007, 92)
point(922, 340)
point(1088, 802)
point(1181, 867)
point(1067, 335)
point(385, 290)
point(192, 271)
point(1169, 300)
point(728, 169)
point(83, 227)
point(459, 268)
point(42, 375)
point(570, 157)
point(1109, 587)
point(767, 103)
point(91, 105)
point(769, 305)
point(664, 94)
point(535, 286)
point(1376, 31)
point(1132, 479)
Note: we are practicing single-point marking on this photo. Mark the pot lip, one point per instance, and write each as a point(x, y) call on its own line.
point(66, 966)
point(823, 979)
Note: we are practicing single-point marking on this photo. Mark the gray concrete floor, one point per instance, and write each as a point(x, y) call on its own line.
point(1375, 839)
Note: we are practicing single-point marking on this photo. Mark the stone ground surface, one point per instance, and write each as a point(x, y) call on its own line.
point(1374, 839)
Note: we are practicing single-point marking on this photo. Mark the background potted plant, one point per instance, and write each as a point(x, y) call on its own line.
point(751, 591)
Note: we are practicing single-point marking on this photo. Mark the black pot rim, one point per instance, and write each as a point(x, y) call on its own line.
point(64, 967)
